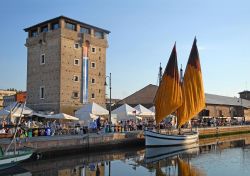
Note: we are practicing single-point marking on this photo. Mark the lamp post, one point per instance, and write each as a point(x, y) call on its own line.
point(109, 120)
point(242, 111)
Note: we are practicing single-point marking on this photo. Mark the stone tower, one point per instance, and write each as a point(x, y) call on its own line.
point(66, 65)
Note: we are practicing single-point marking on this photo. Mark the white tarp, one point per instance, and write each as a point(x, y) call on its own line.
point(16, 109)
point(125, 112)
point(90, 112)
point(61, 116)
point(152, 109)
point(92, 108)
point(142, 111)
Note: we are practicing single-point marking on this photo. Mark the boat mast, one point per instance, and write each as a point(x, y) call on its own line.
point(160, 74)
point(16, 128)
point(181, 81)
point(181, 74)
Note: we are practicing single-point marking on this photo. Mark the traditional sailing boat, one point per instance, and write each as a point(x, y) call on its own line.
point(186, 98)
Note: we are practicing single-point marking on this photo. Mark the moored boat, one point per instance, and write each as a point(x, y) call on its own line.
point(183, 96)
point(155, 139)
point(11, 158)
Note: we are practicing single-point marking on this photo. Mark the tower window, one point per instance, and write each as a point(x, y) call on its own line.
point(42, 89)
point(76, 62)
point(42, 59)
point(76, 78)
point(34, 33)
point(75, 94)
point(70, 26)
point(93, 80)
point(84, 30)
point(44, 29)
point(99, 35)
point(93, 65)
point(76, 45)
point(55, 26)
point(92, 95)
point(93, 49)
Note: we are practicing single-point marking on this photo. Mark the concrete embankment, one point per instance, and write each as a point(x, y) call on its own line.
point(57, 145)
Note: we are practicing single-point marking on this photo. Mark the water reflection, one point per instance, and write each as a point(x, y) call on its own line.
point(172, 160)
point(206, 159)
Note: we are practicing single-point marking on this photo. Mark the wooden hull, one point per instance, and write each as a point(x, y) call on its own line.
point(154, 154)
point(11, 160)
point(155, 139)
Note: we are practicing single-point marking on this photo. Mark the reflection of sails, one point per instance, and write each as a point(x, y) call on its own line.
point(185, 169)
point(165, 160)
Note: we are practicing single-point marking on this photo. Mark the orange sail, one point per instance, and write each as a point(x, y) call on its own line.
point(192, 88)
point(169, 96)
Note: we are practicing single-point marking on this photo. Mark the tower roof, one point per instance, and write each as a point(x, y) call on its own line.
point(66, 18)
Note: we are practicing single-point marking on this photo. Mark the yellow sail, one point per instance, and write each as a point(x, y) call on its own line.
point(192, 88)
point(169, 96)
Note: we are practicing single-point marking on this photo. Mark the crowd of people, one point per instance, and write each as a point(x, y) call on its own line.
point(29, 127)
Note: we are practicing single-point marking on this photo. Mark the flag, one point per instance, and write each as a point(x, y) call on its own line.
point(168, 96)
point(192, 88)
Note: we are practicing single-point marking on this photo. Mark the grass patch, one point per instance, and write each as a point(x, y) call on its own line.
point(222, 134)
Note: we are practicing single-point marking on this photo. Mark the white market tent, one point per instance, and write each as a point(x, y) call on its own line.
point(125, 112)
point(152, 109)
point(142, 111)
point(61, 116)
point(16, 109)
point(89, 112)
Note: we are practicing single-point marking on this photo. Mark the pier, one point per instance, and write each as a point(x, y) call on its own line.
point(67, 144)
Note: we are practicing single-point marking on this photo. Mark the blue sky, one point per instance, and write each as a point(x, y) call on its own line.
point(142, 35)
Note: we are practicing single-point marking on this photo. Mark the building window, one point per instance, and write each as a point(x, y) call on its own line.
point(92, 95)
point(75, 95)
point(76, 78)
point(42, 89)
point(92, 64)
point(34, 33)
point(76, 45)
point(42, 59)
point(93, 49)
point(76, 62)
point(44, 29)
point(93, 80)
point(55, 26)
point(84, 30)
point(70, 26)
point(99, 34)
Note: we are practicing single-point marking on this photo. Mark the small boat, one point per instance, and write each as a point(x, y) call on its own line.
point(155, 139)
point(10, 158)
point(184, 96)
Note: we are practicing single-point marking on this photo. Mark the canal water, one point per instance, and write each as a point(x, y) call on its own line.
point(227, 156)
